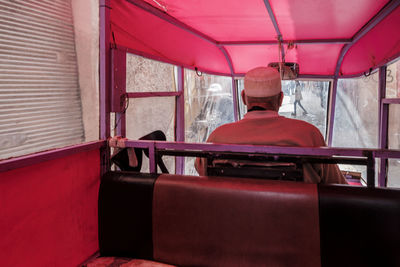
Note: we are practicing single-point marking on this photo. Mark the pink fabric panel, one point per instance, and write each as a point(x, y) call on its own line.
point(312, 58)
point(234, 20)
point(140, 30)
point(378, 46)
point(245, 58)
point(315, 58)
point(48, 212)
point(311, 19)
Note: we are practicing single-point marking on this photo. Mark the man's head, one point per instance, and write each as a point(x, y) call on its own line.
point(262, 87)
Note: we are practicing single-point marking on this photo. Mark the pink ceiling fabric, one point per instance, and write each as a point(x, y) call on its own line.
point(378, 46)
point(326, 19)
point(222, 20)
point(245, 31)
point(136, 29)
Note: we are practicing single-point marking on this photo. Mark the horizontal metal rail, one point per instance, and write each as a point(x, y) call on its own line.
point(152, 94)
point(301, 151)
point(326, 155)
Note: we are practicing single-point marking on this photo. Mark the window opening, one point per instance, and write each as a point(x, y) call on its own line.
point(356, 116)
point(311, 105)
point(148, 114)
point(208, 104)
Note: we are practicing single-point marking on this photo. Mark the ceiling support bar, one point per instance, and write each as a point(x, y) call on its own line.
point(276, 26)
point(274, 42)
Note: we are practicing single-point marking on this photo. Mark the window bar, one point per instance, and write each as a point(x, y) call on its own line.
point(383, 126)
point(120, 122)
point(332, 107)
point(370, 169)
point(152, 158)
point(118, 87)
point(152, 94)
point(105, 64)
point(235, 99)
point(180, 120)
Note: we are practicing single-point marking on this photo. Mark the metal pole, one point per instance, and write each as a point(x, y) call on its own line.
point(152, 158)
point(235, 100)
point(370, 169)
point(276, 26)
point(180, 120)
point(383, 126)
point(332, 108)
point(105, 63)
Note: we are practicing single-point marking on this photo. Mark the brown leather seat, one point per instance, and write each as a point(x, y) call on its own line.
point(219, 221)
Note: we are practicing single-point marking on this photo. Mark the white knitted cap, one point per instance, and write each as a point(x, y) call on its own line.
point(262, 82)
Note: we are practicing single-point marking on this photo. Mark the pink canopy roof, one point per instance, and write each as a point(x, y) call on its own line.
point(326, 37)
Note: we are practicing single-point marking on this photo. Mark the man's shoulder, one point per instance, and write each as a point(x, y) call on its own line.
point(299, 123)
point(223, 130)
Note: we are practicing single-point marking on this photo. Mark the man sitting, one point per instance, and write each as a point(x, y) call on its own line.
point(262, 125)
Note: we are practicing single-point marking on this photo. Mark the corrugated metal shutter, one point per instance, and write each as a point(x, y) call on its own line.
point(40, 106)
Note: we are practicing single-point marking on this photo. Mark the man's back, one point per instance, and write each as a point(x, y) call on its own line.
point(262, 125)
point(268, 128)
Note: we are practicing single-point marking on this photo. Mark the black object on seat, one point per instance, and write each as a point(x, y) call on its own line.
point(125, 215)
point(261, 167)
point(121, 158)
point(359, 226)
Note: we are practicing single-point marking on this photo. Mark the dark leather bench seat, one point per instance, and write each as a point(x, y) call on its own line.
point(221, 221)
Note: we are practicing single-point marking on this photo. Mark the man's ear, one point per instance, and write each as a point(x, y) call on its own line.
point(243, 98)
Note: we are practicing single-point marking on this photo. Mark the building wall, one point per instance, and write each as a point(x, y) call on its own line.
point(86, 22)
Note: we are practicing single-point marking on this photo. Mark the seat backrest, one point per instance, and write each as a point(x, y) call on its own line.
point(222, 221)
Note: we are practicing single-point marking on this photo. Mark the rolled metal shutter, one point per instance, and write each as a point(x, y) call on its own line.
point(40, 105)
